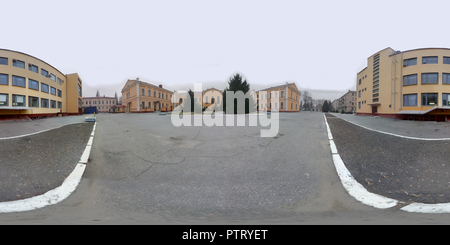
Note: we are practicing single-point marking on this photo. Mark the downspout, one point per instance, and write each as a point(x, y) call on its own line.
point(401, 81)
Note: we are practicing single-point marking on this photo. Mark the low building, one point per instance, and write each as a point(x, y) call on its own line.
point(32, 88)
point(103, 104)
point(139, 96)
point(347, 102)
point(288, 98)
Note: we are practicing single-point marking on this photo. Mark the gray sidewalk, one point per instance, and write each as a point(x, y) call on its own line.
point(11, 129)
point(418, 129)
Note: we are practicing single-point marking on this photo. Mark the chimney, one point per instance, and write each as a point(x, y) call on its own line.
point(160, 85)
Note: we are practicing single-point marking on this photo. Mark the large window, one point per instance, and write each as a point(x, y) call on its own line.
point(19, 63)
point(446, 60)
point(33, 101)
point(44, 103)
point(53, 104)
point(430, 78)
point(33, 68)
point(3, 61)
point(44, 73)
point(410, 80)
point(430, 99)
point(53, 77)
point(445, 78)
point(410, 100)
point(44, 88)
point(410, 62)
point(18, 100)
point(430, 60)
point(53, 90)
point(32, 84)
point(4, 79)
point(3, 99)
point(18, 81)
point(445, 99)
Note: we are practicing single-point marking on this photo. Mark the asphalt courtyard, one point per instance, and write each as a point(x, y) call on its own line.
point(408, 170)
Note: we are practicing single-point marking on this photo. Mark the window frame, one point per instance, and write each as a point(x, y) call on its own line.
point(425, 102)
point(427, 58)
point(7, 79)
point(408, 78)
point(30, 82)
point(14, 99)
point(42, 103)
point(429, 73)
point(30, 101)
point(6, 102)
point(405, 98)
point(14, 81)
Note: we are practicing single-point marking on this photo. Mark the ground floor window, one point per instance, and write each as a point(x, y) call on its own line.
point(44, 103)
point(33, 101)
point(429, 99)
point(445, 99)
point(410, 100)
point(4, 99)
point(53, 104)
point(18, 100)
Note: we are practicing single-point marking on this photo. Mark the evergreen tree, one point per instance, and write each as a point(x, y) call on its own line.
point(236, 83)
point(325, 107)
point(98, 93)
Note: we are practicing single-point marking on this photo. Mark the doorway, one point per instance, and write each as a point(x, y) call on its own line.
point(374, 110)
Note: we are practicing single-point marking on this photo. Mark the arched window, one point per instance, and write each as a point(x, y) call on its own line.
point(212, 99)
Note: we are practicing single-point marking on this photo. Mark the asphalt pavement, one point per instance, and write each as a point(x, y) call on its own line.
point(35, 164)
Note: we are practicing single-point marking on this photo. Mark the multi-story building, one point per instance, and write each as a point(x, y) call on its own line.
point(32, 88)
point(103, 104)
point(347, 102)
point(288, 98)
point(413, 84)
point(139, 96)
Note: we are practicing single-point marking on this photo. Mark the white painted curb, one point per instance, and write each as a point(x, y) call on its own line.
point(56, 195)
point(361, 194)
point(352, 186)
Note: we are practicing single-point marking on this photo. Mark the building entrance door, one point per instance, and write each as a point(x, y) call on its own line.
point(374, 110)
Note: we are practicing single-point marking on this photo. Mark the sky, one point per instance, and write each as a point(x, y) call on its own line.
point(319, 45)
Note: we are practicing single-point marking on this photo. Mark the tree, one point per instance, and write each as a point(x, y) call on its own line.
point(98, 94)
point(325, 107)
point(194, 104)
point(236, 83)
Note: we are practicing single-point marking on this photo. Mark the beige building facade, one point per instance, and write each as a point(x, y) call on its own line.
point(410, 85)
point(139, 97)
point(288, 98)
point(103, 104)
point(32, 88)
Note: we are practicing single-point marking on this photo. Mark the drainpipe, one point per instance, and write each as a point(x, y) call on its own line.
point(401, 81)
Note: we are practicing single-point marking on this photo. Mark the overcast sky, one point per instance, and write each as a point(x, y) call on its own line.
point(319, 45)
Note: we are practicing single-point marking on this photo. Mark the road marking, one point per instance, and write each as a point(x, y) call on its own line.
point(361, 194)
point(53, 196)
point(352, 186)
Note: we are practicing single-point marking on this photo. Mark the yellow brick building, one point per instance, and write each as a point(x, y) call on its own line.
point(410, 85)
point(32, 88)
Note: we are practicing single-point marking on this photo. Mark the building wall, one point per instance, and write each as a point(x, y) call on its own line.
point(103, 104)
point(287, 94)
point(155, 98)
point(391, 77)
point(63, 98)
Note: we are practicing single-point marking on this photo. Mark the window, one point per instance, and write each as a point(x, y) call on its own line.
point(60, 93)
point(154, 94)
point(19, 64)
point(159, 95)
point(430, 78)
point(282, 94)
point(430, 60)
point(44, 73)
point(410, 80)
point(59, 81)
point(4, 79)
point(53, 77)
point(445, 78)
point(375, 100)
point(4, 99)
point(359, 94)
point(445, 99)
point(149, 104)
point(33, 101)
point(3, 61)
point(33, 68)
point(59, 105)
point(410, 62)
point(359, 105)
point(53, 90)
point(32, 84)
point(429, 99)
point(149, 93)
point(142, 92)
point(18, 100)
point(281, 105)
point(44, 103)
point(53, 104)
point(18, 81)
point(44, 88)
point(410, 100)
point(79, 90)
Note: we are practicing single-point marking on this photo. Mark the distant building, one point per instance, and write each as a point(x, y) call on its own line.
point(288, 98)
point(139, 96)
point(103, 104)
point(346, 102)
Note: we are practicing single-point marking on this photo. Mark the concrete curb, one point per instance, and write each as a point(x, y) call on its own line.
point(56, 195)
point(361, 194)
